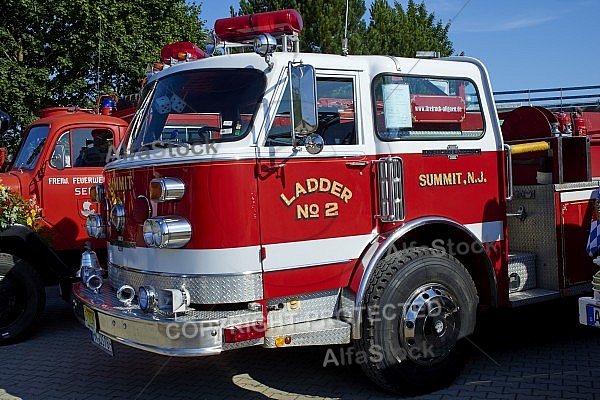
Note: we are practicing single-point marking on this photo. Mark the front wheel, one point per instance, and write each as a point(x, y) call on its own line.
point(420, 304)
point(22, 298)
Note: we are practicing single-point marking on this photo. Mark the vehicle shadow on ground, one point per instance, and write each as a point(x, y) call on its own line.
point(533, 350)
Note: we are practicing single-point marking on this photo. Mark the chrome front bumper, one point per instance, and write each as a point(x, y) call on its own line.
point(200, 334)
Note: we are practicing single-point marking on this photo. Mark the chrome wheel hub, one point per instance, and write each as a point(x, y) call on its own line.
point(430, 324)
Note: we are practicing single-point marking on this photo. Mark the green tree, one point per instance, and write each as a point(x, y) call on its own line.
point(324, 22)
point(67, 52)
point(398, 32)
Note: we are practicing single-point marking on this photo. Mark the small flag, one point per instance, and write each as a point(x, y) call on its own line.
point(594, 239)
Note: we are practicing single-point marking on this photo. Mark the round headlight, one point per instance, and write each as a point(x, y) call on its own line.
point(117, 216)
point(147, 298)
point(148, 235)
point(157, 232)
point(94, 226)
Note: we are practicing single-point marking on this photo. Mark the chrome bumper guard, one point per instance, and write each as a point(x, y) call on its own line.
point(194, 334)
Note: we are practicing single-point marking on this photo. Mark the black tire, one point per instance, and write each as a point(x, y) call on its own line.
point(22, 298)
point(420, 304)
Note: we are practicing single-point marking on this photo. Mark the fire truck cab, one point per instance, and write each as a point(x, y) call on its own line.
point(60, 156)
point(312, 199)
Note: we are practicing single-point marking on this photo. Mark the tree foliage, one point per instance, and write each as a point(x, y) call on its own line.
point(395, 31)
point(324, 22)
point(392, 30)
point(67, 52)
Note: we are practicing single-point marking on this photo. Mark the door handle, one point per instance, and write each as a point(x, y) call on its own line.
point(357, 163)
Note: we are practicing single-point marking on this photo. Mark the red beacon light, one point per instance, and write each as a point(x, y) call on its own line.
point(180, 52)
point(247, 27)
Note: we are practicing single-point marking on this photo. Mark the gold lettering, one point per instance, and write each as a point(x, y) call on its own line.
point(288, 202)
point(312, 185)
point(302, 211)
point(336, 189)
point(324, 185)
point(422, 180)
point(448, 179)
point(299, 189)
point(331, 210)
point(470, 177)
point(346, 195)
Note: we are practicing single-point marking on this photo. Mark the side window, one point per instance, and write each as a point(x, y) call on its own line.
point(61, 156)
point(335, 107)
point(426, 108)
point(91, 146)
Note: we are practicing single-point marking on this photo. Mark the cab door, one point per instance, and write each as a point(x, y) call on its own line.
point(316, 210)
point(65, 184)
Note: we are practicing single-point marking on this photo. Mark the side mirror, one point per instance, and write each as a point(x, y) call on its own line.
point(4, 122)
point(303, 86)
point(58, 157)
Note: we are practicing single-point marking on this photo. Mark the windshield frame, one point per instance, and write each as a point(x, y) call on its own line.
point(28, 155)
point(245, 100)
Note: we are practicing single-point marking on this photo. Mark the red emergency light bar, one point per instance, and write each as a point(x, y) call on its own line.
point(181, 51)
point(246, 27)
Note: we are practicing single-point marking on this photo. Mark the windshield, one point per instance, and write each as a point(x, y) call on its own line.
point(32, 147)
point(199, 106)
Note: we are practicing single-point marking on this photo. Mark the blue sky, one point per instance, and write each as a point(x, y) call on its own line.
point(525, 44)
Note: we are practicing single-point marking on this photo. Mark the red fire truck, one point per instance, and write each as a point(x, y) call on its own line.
point(286, 199)
point(60, 156)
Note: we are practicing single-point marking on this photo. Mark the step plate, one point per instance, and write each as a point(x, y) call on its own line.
point(324, 331)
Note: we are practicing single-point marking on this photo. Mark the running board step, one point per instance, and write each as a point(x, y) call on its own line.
point(320, 332)
point(531, 296)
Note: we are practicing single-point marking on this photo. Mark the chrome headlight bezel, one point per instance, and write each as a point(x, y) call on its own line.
point(147, 298)
point(166, 189)
point(95, 226)
point(170, 232)
point(117, 216)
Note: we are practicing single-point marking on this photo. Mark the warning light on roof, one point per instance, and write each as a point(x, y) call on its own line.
point(247, 27)
point(181, 51)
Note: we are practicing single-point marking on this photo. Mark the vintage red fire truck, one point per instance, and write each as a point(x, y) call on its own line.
point(287, 199)
point(60, 156)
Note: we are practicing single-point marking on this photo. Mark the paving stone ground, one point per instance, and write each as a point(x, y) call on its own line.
point(537, 352)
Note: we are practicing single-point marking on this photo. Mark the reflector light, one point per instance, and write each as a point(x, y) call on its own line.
point(234, 334)
point(181, 51)
point(246, 27)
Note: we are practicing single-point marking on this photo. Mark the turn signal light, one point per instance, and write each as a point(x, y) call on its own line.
point(166, 189)
point(97, 193)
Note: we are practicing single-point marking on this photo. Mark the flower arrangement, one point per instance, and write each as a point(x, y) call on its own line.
point(14, 209)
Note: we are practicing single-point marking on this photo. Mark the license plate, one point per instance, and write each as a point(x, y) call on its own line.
point(103, 342)
point(593, 315)
point(89, 316)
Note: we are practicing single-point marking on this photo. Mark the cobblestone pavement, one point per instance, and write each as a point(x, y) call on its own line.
point(537, 352)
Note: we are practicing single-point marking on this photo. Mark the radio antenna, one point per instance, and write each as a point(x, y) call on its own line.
point(345, 40)
point(98, 67)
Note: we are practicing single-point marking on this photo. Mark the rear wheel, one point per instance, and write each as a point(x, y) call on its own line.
point(22, 298)
point(420, 304)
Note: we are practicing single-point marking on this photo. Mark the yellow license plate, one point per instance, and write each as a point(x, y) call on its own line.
point(89, 316)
